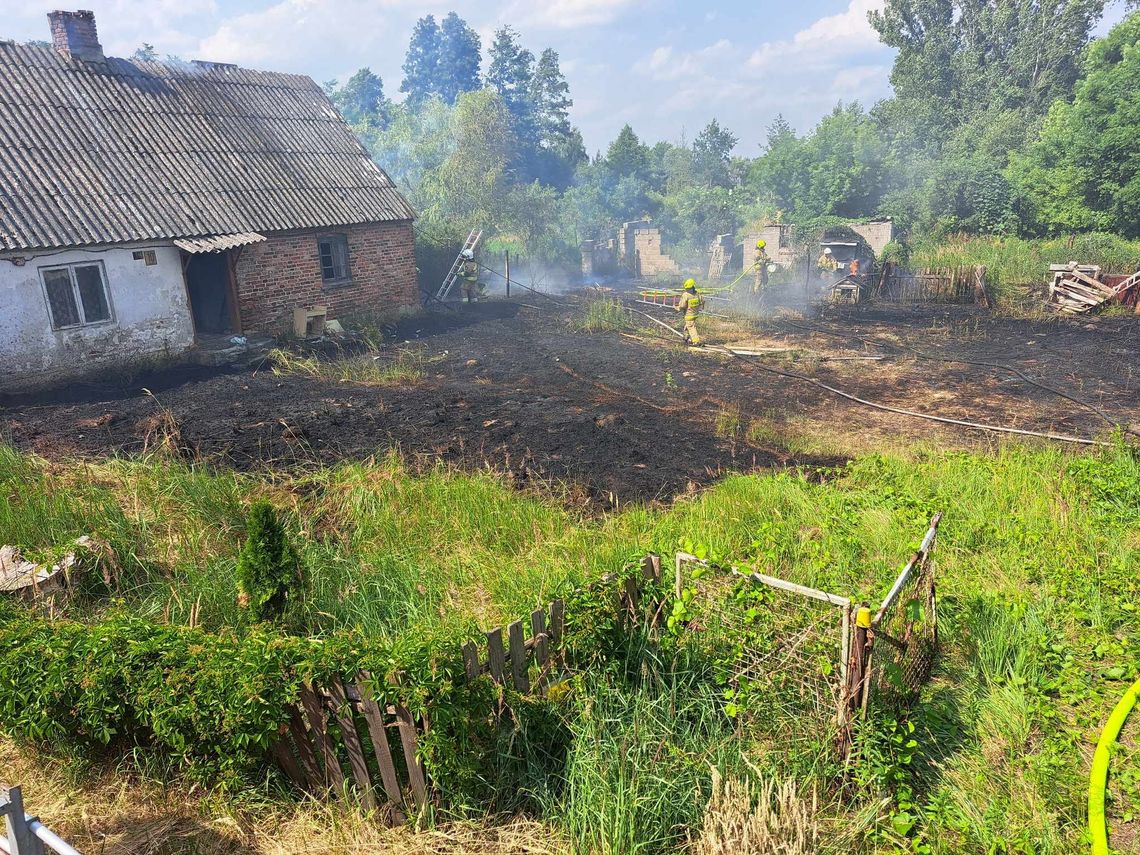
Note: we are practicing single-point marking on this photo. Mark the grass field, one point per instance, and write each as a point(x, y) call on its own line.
point(1038, 583)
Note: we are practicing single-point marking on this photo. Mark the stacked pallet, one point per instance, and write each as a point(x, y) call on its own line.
point(1080, 288)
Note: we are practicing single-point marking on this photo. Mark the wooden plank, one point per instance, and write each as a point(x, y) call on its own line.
point(651, 567)
point(1094, 284)
point(416, 775)
point(283, 754)
point(305, 749)
point(471, 660)
point(632, 596)
point(496, 657)
point(343, 711)
point(518, 657)
point(792, 587)
point(378, 733)
point(557, 625)
point(541, 644)
point(334, 775)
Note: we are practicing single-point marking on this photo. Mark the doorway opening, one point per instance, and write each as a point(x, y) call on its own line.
point(209, 286)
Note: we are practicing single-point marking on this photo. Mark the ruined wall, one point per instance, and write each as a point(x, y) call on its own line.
point(150, 316)
point(641, 250)
point(283, 273)
point(877, 234)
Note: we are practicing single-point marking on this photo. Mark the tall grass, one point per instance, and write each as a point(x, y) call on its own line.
point(1013, 263)
point(605, 315)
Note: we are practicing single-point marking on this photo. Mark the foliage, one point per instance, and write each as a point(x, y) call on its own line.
point(268, 574)
point(361, 99)
point(1082, 172)
point(421, 65)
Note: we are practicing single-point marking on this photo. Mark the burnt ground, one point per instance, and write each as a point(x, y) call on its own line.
point(517, 389)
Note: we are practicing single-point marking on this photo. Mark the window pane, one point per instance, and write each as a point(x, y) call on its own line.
point(328, 268)
point(92, 293)
point(61, 299)
point(342, 258)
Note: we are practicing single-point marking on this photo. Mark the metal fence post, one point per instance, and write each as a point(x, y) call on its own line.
point(21, 840)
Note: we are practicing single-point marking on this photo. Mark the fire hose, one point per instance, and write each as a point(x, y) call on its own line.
point(803, 378)
point(981, 363)
point(1098, 780)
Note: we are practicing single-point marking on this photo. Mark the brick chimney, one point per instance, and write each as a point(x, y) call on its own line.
point(73, 34)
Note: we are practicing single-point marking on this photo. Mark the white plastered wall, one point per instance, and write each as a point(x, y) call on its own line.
point(150, 315)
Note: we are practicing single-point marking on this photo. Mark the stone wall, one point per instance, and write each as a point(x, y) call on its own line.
point(283, 273)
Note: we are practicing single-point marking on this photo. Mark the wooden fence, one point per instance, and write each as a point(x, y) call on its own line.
point(344, 721)
point(945, 285)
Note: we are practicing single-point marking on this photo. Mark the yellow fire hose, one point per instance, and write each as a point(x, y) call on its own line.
point(1098, 780)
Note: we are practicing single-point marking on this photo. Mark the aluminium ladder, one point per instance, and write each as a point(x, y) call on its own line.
point(449, 281)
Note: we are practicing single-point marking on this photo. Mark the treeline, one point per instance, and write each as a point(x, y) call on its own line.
point(1007, 119)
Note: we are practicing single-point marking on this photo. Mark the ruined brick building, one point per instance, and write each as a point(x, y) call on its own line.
point(147, 205)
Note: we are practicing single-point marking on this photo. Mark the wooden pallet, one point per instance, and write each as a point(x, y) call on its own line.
point(1076, 290)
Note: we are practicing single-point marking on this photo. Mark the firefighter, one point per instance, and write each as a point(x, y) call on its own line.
point(760, 280)
point(827, 264)
point(469, 273)
point(690, 304)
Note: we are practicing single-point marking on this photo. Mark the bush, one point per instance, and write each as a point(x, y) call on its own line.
point(268, 570)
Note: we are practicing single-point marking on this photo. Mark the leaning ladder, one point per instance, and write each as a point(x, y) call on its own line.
point(449, 281)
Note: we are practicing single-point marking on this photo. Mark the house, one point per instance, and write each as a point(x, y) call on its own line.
point(149, 206)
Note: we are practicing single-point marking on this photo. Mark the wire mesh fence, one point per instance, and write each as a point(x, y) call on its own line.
point(786, 651)
point(906, 629)
point(804, 663)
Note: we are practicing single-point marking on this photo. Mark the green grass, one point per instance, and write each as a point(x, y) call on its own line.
point(1038, 563)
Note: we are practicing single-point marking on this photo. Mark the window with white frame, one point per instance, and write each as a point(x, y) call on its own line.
point(333, 252)
point(76, 294)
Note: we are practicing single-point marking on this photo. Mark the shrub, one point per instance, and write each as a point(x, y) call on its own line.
point(267, 569)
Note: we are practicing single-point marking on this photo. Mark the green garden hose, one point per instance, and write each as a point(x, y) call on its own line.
point(1099, 778)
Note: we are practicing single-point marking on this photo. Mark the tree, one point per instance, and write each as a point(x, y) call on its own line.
point(961, 58)
point(267, 567)
point(422, 62)
point(712, 151)
point(1083, 172)
point(146, 53)
point(471, 185)
point(361, 99)
point(511, 75)
point(561, 149)
point(459, 58)
point(626, 156)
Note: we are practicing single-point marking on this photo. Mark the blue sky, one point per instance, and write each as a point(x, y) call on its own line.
point(665, 66)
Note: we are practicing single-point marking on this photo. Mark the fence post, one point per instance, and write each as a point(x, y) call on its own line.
point(21, 840)
point(507, 265)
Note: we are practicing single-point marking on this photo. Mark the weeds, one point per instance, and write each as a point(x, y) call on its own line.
point(605, 315)
point(372, 368)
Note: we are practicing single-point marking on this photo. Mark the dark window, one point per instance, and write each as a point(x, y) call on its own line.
point(76, 295)
point(333, 252)
point(148, 256)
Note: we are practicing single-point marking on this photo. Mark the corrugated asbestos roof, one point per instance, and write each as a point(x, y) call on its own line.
point(125, 151)
point(218, 243)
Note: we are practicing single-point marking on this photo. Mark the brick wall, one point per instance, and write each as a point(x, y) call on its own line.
point(283, 273)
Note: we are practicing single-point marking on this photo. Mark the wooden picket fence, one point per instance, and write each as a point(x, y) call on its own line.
point(343, 720)
point(943, 285)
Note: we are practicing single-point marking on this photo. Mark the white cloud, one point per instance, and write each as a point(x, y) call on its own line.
point(565, 14)
point(295, 35)
point(667, 64)
point(823, 42)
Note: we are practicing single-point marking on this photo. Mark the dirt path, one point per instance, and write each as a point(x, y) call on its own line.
point(519, 390)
